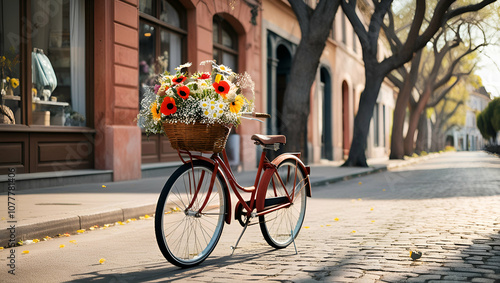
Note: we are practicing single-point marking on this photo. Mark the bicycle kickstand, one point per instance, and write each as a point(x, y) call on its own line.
point(241, 235)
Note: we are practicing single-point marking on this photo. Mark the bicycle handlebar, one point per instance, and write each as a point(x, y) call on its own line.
point(257, 115)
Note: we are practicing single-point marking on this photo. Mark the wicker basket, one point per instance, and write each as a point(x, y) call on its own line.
point(197, 136)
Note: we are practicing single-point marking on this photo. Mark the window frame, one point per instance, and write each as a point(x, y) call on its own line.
point(225, 25)
point(161, 25)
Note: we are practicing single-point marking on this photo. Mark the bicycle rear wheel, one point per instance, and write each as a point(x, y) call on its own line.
point(280, 227)
point(185, 236)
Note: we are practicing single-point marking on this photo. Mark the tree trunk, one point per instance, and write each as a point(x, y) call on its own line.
point(415, 113)
point(423, 135)
point(296, 105)
point(367, 101)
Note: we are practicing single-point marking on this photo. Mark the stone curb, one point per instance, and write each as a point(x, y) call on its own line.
point(84, 221)
point(73, 223)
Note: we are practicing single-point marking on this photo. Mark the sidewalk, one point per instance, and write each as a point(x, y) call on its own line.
point(66, 209)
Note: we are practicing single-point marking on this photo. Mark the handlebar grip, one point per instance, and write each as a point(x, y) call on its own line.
point(262, 115)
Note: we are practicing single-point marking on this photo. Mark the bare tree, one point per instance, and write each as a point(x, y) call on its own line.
point(315, 25)
point(375, 71)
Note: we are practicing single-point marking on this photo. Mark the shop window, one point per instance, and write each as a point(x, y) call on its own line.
point(162, 34)
point(58, 63)
point(55, 93)
point(225, 43)
point(10, 79)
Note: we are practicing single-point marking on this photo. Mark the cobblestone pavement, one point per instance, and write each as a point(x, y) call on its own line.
point(361, 230)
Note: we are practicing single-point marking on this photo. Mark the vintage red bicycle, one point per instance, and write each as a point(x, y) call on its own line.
point(195, 201)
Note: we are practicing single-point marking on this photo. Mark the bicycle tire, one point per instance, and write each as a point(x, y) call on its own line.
point(282, 226)
point(185, 238)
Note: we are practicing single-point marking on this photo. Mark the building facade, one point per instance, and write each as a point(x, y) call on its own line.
point(73, 73)
point(468, 137)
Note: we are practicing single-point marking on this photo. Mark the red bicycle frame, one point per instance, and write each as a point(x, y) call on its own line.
point(265, 173)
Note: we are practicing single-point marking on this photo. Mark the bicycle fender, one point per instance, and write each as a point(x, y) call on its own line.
point(266, 177)
point(301, 164)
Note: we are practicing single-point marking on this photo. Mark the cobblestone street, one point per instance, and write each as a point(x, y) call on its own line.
point(361, 230)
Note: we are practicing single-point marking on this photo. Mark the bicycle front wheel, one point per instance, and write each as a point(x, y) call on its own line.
point(186, 236)
point(280, 227)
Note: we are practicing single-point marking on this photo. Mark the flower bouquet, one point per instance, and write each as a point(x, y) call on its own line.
point(196, 112)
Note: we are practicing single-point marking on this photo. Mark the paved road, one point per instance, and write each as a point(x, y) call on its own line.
point(355, 231)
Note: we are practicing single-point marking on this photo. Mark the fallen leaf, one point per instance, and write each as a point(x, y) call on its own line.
point(73, 241)
point(383, 190)
point(26, 252)
point(61, 246)
point(1, 248)
point(147, 216)
point(359, 199)
point(36, 240)
point(353, 231)
point(3, 218)
point(336, 219)
point(102, 260)
point(373, 221)
point(306, 227)
point(80, 231)
point(104, 186)
point(328, 225)
point(360, 183)
point(371, 209)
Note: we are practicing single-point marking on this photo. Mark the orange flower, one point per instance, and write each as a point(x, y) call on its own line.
point(221, 88)
point(168, 106)
point(183, 92)
point(178, 80)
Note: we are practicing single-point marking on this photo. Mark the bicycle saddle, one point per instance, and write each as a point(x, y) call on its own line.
point(269, 139)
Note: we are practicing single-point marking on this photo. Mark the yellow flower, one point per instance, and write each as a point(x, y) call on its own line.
point(236, 105)
point(155, 112)
point(14, 83)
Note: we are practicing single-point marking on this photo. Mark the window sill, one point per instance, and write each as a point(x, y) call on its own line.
point(45, 129)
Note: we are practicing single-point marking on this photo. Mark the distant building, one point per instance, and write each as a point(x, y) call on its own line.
point(468, 138)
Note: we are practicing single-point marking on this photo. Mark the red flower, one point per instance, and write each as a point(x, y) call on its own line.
point(168, 106)
point(178, 80)
point(221, 88)
point(183, 91)
point(204, 76)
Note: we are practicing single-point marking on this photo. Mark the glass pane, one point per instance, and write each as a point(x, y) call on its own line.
point(216, 32)
point(216, 56)
point(58, 63)
point(169, 15)
point(148, 7)
point(230, 61)
point(147, 53)
point(10, 82)
point(171, 52)
point(226, 39)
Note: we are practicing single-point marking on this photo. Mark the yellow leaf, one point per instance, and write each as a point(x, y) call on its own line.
point(104, 186)
point(66, 234)
point(36, 240)
point(73, 241)
point(147, 216)
point(61, 246)
point(306, 227)
point(80, 231)
point(336, 219)
point(102, 260)
point(353, 231)
point(373, 221)
point(321, 226)
point(360, 183)
point(328, 225)
point(371, 209)
point(3, 218)
point(1, 248)
point(359, 199)
point(26, 252)
point(383, 190)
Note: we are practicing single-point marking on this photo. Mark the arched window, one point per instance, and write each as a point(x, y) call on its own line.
point(162, 37)
point(225, 43)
